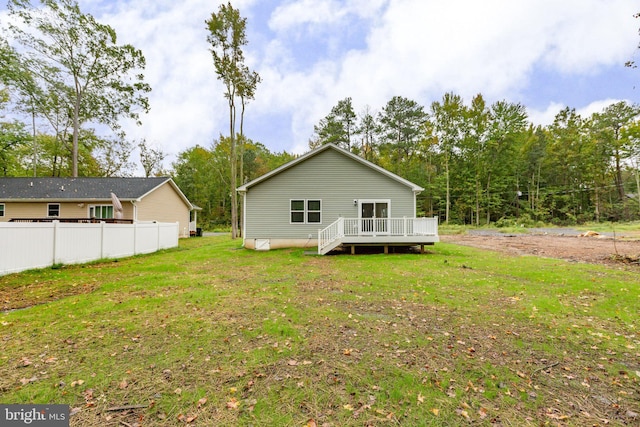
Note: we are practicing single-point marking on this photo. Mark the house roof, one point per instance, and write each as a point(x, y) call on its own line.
point(243, 188)
point(81, 189)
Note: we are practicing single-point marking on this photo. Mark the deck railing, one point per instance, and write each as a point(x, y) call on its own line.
point(374, 227)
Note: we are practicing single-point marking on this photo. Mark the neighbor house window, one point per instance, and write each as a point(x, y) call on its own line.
point(101, 211)
point(1, 209)
point(53, 209)
point(306, 211)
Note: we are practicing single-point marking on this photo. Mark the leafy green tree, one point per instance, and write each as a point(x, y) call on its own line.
point(13, 135)
point(202, 175)
point(610, 125)
point(151, 159)
point(113, 156)
point(474, 146)
point(507, 124)
point(402, 123)
point(563, 165)
point(94, 78)
point(337, 127)
point(367, 128)
point(449, 128)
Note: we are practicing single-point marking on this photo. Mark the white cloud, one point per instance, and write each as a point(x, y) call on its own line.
point(312, 53)
point(303, 13)
point(547, 116)
point(421, 49)
point(596, 107)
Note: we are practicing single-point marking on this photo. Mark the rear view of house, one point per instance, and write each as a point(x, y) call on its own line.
point(328, 198)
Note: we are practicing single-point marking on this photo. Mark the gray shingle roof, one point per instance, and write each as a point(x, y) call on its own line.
point(32, 189)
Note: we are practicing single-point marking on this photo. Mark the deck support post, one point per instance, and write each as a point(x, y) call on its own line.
point(422, 249)
point(386, 249)
point(353, 249)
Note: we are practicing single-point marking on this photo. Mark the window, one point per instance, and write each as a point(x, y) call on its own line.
point(313, 211)
point(297, 211)
point(101, 211)
point(306, 211)
point(53, 209)
point(1, 209)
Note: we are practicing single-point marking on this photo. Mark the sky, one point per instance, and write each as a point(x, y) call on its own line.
point(310, 54)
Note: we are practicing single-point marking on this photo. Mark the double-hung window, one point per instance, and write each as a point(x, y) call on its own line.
point(1, 209)
point(305, 211)
point(53, 210)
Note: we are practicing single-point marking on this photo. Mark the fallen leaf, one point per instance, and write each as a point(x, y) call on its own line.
point(347, 352)
point(483, 413)
point(348, 407)
point(420, 398)
point(435, 411)
point(77, 383)
point(202, 401)
point(233, 403)
point(25, 381)
point(463, 414)
point(311, 423)
point(191, 419)
point(178, 391)
point(292, 362)
point(557, 416)
point(123, 384)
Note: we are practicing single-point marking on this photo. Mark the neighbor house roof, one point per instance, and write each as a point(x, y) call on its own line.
point(81, 189)
point(243, 188)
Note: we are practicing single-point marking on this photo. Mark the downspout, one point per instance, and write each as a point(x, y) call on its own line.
point(415, 202)
point(244, 218)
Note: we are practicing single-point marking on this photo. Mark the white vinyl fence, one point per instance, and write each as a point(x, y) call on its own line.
point(27, 245)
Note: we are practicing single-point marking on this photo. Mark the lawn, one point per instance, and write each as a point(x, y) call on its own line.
point(210, 334)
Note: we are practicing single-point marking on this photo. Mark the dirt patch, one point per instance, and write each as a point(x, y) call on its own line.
point(585, 247)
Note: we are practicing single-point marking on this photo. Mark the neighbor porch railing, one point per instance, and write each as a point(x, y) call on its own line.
point(331, 236)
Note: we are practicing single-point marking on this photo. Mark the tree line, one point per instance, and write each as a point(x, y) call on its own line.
point(482, 163)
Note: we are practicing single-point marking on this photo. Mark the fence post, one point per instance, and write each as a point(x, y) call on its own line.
point(135, 238)
point(102, 239)
point(55, 241)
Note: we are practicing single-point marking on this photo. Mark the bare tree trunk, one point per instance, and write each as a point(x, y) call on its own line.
point(76, 131)
point(638, 184)
point(448, 202)
point(234, 172)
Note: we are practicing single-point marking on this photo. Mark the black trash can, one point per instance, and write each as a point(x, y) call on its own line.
point(198, 232)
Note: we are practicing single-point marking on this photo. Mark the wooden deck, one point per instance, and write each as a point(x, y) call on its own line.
point(384, 232)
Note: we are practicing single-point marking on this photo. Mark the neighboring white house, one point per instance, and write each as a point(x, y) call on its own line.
point(328, 198)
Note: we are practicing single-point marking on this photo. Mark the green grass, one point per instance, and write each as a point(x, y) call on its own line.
point(212, 334)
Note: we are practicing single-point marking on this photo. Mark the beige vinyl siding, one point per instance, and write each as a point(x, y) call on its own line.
point(329, 176)
point(67, 209)
point(164, 204)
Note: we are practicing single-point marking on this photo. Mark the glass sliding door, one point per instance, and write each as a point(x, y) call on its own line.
point(374, 217)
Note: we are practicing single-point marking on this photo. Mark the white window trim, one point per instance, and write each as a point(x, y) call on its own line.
point(305, 211)
point(361, 202)
point(49, 210)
